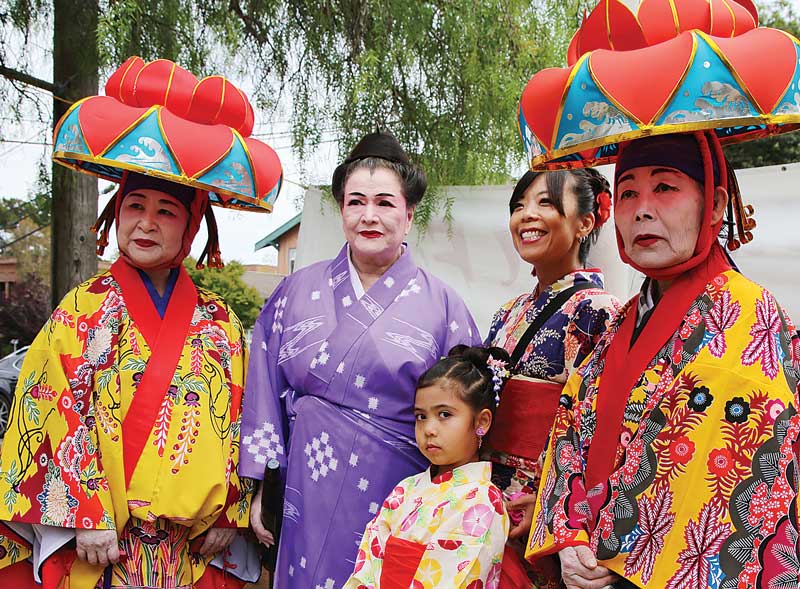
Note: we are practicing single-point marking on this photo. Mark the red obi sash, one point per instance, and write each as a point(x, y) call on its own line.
point(401, 560)
point(524, 417)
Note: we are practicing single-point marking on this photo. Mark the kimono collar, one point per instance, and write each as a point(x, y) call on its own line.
point(166, 338)
point(355, 279)
point(160, 301)
point(593, 276)
point(473, 472)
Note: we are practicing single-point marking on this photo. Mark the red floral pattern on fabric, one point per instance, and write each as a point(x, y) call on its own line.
point(704, 538)
point(655, 520)
point(763, 347)
point(720, 318)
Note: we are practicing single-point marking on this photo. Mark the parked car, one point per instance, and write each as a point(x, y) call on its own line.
point(6, 396)
point(10, 367)
point(12, 363)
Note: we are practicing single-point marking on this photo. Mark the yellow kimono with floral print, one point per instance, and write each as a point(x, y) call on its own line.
point(704, 491)
point(62, 463)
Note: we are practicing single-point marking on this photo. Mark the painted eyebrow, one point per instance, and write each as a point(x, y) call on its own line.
point(652, 173)
point(160, 200)
point(378, 194)
point(665, 171)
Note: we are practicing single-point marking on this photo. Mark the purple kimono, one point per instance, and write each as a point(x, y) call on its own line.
point(330, 395)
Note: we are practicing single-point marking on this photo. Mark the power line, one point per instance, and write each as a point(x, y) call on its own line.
point(24, 142)
point(28, 234)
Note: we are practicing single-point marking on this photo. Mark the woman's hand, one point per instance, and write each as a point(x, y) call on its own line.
point(97, 546)
point(264, 536)
point(525, 503)
point(217, 540)
point(579, 569)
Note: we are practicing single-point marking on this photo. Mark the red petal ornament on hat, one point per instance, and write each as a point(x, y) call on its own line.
point(611, 25)
point(672, 66)
point(158, 119)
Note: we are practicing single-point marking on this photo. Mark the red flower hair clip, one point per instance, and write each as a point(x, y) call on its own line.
point(603, 208)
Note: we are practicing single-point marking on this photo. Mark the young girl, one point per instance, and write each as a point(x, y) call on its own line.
point(447, 526)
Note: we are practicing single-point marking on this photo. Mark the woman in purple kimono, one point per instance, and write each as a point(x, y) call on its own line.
point(336, 354)
point(555, 217)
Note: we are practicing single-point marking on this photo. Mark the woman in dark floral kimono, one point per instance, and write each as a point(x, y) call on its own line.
point(555, 219)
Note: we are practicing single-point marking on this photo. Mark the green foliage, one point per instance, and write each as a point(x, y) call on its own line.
point(25, 229)
point(228, 284)
point(153, 29)
point(443, 76)
point(36, 207)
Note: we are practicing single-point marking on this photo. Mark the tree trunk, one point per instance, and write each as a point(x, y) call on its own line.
point(74, 209)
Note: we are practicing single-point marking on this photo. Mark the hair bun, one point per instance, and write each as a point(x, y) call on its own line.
point(479, 356)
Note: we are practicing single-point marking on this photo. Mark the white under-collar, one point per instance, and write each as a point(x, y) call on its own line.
point(355, 280)
point(358, 288)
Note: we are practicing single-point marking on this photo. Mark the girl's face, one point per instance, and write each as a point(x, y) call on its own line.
point(446, 425)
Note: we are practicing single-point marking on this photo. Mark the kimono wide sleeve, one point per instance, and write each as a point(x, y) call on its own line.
point(461, 328)
point(51, 472)
point(556, 522)
point(264, 432)
point(236, 511)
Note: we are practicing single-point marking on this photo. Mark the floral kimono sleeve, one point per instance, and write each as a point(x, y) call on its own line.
point(50, 471)
point(484, 553)
point(591, 318)
point(264, 419)
point(558, 520)
point(236, 512)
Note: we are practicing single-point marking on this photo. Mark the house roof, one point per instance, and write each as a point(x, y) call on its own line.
point(272, 238)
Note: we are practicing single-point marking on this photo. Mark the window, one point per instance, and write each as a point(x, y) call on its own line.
point(292, 258)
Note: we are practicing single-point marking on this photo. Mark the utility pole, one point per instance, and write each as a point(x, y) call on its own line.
point(74, 205)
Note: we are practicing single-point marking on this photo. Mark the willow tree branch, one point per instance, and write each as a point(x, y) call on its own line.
point(18, 76)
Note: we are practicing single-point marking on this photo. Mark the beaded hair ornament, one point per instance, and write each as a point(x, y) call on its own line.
point(500, 373)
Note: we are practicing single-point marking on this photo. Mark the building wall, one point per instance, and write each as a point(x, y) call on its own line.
point(8, 275)
point(287, 250)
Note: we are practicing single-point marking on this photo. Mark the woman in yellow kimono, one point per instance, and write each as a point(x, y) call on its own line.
point(672, 460)
point(119, 467)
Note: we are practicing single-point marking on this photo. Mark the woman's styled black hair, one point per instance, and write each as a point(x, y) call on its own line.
point(381, 150)
point(469, 367)
point(588, 183)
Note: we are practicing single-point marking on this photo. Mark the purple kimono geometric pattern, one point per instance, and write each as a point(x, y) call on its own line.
point(336, 374)
point(264, 443)
point(320, 456)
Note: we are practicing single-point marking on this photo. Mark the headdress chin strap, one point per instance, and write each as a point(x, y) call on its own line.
point(198, 208)
point(710, 150)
